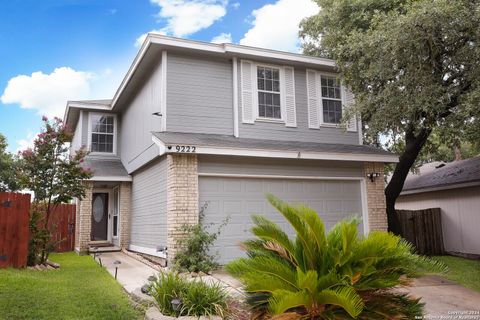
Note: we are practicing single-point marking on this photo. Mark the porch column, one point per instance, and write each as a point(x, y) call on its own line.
point(125, 213)
point(377, 208)
point(83, 220)
point(182, 197)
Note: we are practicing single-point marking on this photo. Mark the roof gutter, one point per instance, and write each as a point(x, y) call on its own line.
point(166, 148)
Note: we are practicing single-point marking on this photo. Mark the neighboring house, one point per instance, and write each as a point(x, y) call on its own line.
point(454, 188)
point(222, 124)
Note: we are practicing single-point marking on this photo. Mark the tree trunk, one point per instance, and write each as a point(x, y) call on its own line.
point(413, 146)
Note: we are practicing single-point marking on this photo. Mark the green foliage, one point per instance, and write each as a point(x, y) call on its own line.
point(324, 276)
point(54, 176)
point(9, 181)
point(195, 247)
point(464, 271)
point(38, 235)
point(198, 298)
point(409, 63)
point(79, 289)
point(413, 67)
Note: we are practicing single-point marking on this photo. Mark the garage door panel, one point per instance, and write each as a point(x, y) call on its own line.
point(239, 198)
point(333, 206)
point(333, 187)
point(276, 186)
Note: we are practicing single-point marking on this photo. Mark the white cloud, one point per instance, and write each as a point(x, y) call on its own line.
point(23, 144)
point(276, 26)
point(236, 5)
point(184, 17)
point(222, 38)
point(48, 93)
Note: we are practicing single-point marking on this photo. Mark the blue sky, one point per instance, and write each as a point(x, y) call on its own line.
point(53, 51)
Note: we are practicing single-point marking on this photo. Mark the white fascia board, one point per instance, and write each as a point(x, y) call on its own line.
point(80, 105)
point(274, 54)
point(237, 49)
point(278, 153)
point(131, 70)
point(184, 43)
point(110, 178)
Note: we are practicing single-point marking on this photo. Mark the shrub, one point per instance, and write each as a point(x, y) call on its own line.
point(195, 254)
point(327, 276)
point(198, 298)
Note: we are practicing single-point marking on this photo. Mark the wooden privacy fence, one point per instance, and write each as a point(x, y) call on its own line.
point(14, 232)
point(423, 228)
point(62, 226)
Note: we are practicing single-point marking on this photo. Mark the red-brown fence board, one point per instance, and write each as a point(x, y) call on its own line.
point(14, 232)
point(62, 226)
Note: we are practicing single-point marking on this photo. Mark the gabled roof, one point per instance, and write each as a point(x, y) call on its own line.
point(443, 176)
point(152, 48)
point(229, 145)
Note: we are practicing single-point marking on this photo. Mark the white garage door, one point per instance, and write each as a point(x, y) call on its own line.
point(239, 198)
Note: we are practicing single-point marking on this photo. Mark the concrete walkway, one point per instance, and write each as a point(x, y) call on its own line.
point(132, 274)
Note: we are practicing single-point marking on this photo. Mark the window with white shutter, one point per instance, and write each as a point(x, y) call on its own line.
point(248, 102)
point(268, 93)
point(327, 99)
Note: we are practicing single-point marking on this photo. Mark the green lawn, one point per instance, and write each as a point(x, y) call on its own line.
point(464, 271)
point(80, 289)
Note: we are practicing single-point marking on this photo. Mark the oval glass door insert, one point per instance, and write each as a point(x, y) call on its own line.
point(98, 207)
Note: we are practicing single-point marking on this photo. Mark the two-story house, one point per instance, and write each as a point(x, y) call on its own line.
point(222, 124)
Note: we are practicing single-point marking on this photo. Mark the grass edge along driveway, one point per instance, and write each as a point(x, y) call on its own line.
point(463, 271)
point(80, 289)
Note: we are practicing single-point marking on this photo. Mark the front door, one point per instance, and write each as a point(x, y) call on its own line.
point(99, 216)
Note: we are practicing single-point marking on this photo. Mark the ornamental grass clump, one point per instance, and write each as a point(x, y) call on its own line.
point(334, 275)
point(192, 298)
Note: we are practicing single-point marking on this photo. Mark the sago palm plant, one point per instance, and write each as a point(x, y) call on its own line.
point(339, 275)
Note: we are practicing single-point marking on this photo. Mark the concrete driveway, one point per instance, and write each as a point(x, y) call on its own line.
point(443, 297)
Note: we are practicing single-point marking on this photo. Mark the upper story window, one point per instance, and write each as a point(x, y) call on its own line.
point(102, 133)
point(267, 93)
point(268, 82)
point(331, 100)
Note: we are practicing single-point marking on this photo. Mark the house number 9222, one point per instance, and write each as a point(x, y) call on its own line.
point(185, 149)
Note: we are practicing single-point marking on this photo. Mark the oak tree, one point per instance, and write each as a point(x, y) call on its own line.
point(413, 66)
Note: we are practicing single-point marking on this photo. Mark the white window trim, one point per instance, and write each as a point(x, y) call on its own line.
point(282, 93)
point(318, 75)
point(89, 145)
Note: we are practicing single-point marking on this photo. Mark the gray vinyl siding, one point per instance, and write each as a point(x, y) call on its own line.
point(149, 205)
point(278, 131)
point(199, 94)
point(137, 123)
point(279, 167)
point(77, 137)
point(84, 125)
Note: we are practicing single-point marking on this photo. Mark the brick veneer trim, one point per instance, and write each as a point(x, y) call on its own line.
point(182, 196)
point(377, 209)
point(84, 220)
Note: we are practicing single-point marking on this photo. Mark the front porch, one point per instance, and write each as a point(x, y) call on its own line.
point(102, 220)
